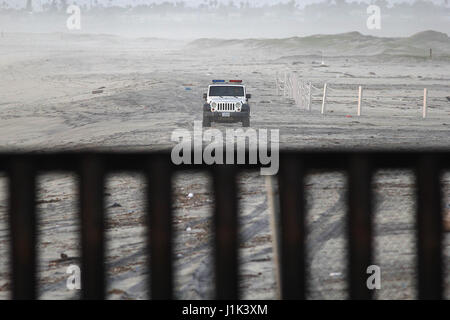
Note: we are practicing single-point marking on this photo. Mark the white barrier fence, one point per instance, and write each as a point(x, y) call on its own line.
point(301, 91)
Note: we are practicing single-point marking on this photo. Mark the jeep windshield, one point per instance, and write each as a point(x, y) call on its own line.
point(223, 91)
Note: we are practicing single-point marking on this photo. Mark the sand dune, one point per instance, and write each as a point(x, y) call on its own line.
point(346, 44)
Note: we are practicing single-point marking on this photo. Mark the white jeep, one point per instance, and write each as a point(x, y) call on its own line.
point(226, 102)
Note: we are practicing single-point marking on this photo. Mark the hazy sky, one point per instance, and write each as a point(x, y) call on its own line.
point(301, 3)
point(195, 24)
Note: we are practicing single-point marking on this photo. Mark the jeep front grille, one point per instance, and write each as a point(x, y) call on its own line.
point(225, 106)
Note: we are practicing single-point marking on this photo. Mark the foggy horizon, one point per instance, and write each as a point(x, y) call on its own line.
point(38, 4)
point(188, 20)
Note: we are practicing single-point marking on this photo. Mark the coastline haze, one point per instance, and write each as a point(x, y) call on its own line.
point(229, 20)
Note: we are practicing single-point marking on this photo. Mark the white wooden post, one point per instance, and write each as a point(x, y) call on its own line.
point(300, 89)
point(294, 90)
point(424, 110)
point(293, 86)
point(290, 86)
point(309, 98)
point(306, 92)
point(324, 97)
point(359, 100)
point(305, 106)
point(276, 84)
point(300, 93)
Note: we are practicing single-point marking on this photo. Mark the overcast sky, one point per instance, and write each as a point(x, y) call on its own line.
point(301, 3)
point(197, 24)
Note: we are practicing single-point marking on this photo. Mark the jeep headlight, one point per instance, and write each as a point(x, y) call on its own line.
point(238, 106)
point(213, 106)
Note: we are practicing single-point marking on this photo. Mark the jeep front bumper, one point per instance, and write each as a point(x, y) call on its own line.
point(223, 116)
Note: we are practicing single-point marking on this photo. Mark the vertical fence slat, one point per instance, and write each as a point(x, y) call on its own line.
point(429, 228)
point(274, 212)
point(360, 93)
point(292, 218)
point(92, 228)
point(277, 86)
point(424, 107)
point(22, 229)
point(226, 233)
point(309, 96)
point(359, 226)
point(160, 220)
point(324, 98)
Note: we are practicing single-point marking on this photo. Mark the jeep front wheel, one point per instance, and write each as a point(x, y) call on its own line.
point(246, 122)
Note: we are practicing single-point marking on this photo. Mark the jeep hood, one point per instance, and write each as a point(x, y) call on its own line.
point(226, 99)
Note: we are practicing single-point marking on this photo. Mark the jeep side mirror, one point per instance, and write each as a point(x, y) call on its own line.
point(248, 95)
point(204, 96)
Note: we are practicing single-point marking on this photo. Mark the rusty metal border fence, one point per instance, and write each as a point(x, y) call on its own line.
point(92, 167)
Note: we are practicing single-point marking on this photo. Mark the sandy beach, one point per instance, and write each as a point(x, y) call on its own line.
point(145, 88)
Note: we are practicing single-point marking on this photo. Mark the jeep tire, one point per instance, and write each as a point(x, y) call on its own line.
point(246, 122)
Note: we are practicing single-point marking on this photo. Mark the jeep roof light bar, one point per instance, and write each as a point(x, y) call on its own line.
point(223, 81)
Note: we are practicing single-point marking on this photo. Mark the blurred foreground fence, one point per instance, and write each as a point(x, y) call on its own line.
point(92, 167)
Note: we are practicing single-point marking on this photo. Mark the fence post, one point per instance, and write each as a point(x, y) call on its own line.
point(324, 97)
point(309, 98)
point(295, 90)
point(289, 81)
point(302, 93)
point(284, 84)
point(277, 85)
point(424, 109)
point(288, 86)
point(299, 94)
point(291, 86)
point(359, 100)
point(274, 210)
